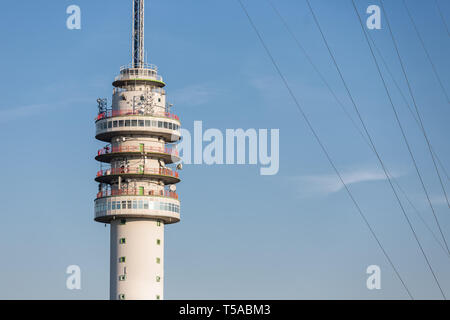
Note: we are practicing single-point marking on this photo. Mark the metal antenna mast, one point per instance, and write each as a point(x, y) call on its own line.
point(138, 33)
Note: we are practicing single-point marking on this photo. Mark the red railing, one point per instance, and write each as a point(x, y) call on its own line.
point(108, 150)
point(137, 192)
point(116, 113)
point(156, 171)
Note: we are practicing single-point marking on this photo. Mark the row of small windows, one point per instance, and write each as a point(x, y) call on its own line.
point(122, 297)
point(124, 277)
point(101, 206)
point(123, 241)
point(136, 123)
point(124, 221)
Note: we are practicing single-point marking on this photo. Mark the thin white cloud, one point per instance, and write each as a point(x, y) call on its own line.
point(194, 95)
point(323, 184)
point(438, 200)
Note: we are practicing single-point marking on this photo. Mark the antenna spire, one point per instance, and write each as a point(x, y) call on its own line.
point(138, 33)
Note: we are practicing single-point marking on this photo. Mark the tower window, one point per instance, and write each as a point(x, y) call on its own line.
point(122, 277)
point(158, 241)
point(121, 296)
point(158, 223)
point(123, 221)
point(158, 297)
point(122, 241)
point(122, 259)
point(158, 260)
point(158, 279)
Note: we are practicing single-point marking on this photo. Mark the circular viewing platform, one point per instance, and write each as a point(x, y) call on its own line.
point(166, 209)
point(137, 192)
point(146, 74)
point(168, 176)
point(113, 123)
point(169, 155)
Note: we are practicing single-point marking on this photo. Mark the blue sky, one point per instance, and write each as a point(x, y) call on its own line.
point(294, 235)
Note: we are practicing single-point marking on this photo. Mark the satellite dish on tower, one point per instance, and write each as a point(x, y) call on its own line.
point(173, 188)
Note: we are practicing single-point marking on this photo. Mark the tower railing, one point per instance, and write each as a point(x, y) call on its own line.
point(146, 71)
point(146, 149)
point(143, 66)
point(137, 192)
point(131, 112)
point(140, 170)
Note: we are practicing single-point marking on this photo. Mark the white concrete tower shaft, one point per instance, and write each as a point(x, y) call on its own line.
point(137, 177)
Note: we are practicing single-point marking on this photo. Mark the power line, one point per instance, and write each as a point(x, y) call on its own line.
point(400, 126)
point(350, 117)
point(322, 146)
point(442, 17)
point(426, 52)
point(405, 100)
point(414, 102)
point(373, 145)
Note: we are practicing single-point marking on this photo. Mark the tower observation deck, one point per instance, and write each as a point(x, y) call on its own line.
point(138, 172)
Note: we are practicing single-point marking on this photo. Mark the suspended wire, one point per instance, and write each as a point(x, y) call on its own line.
point(322, 146)
point(344, 109)
point(442, 166)
point(442, 17)
point(414, 102)
point(424, 222)
point(401, 127)
point(373, 145)
point(402, 130)
point(426, 52)
point(404, 99)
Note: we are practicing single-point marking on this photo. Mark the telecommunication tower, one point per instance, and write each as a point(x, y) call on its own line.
point(137, 194)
